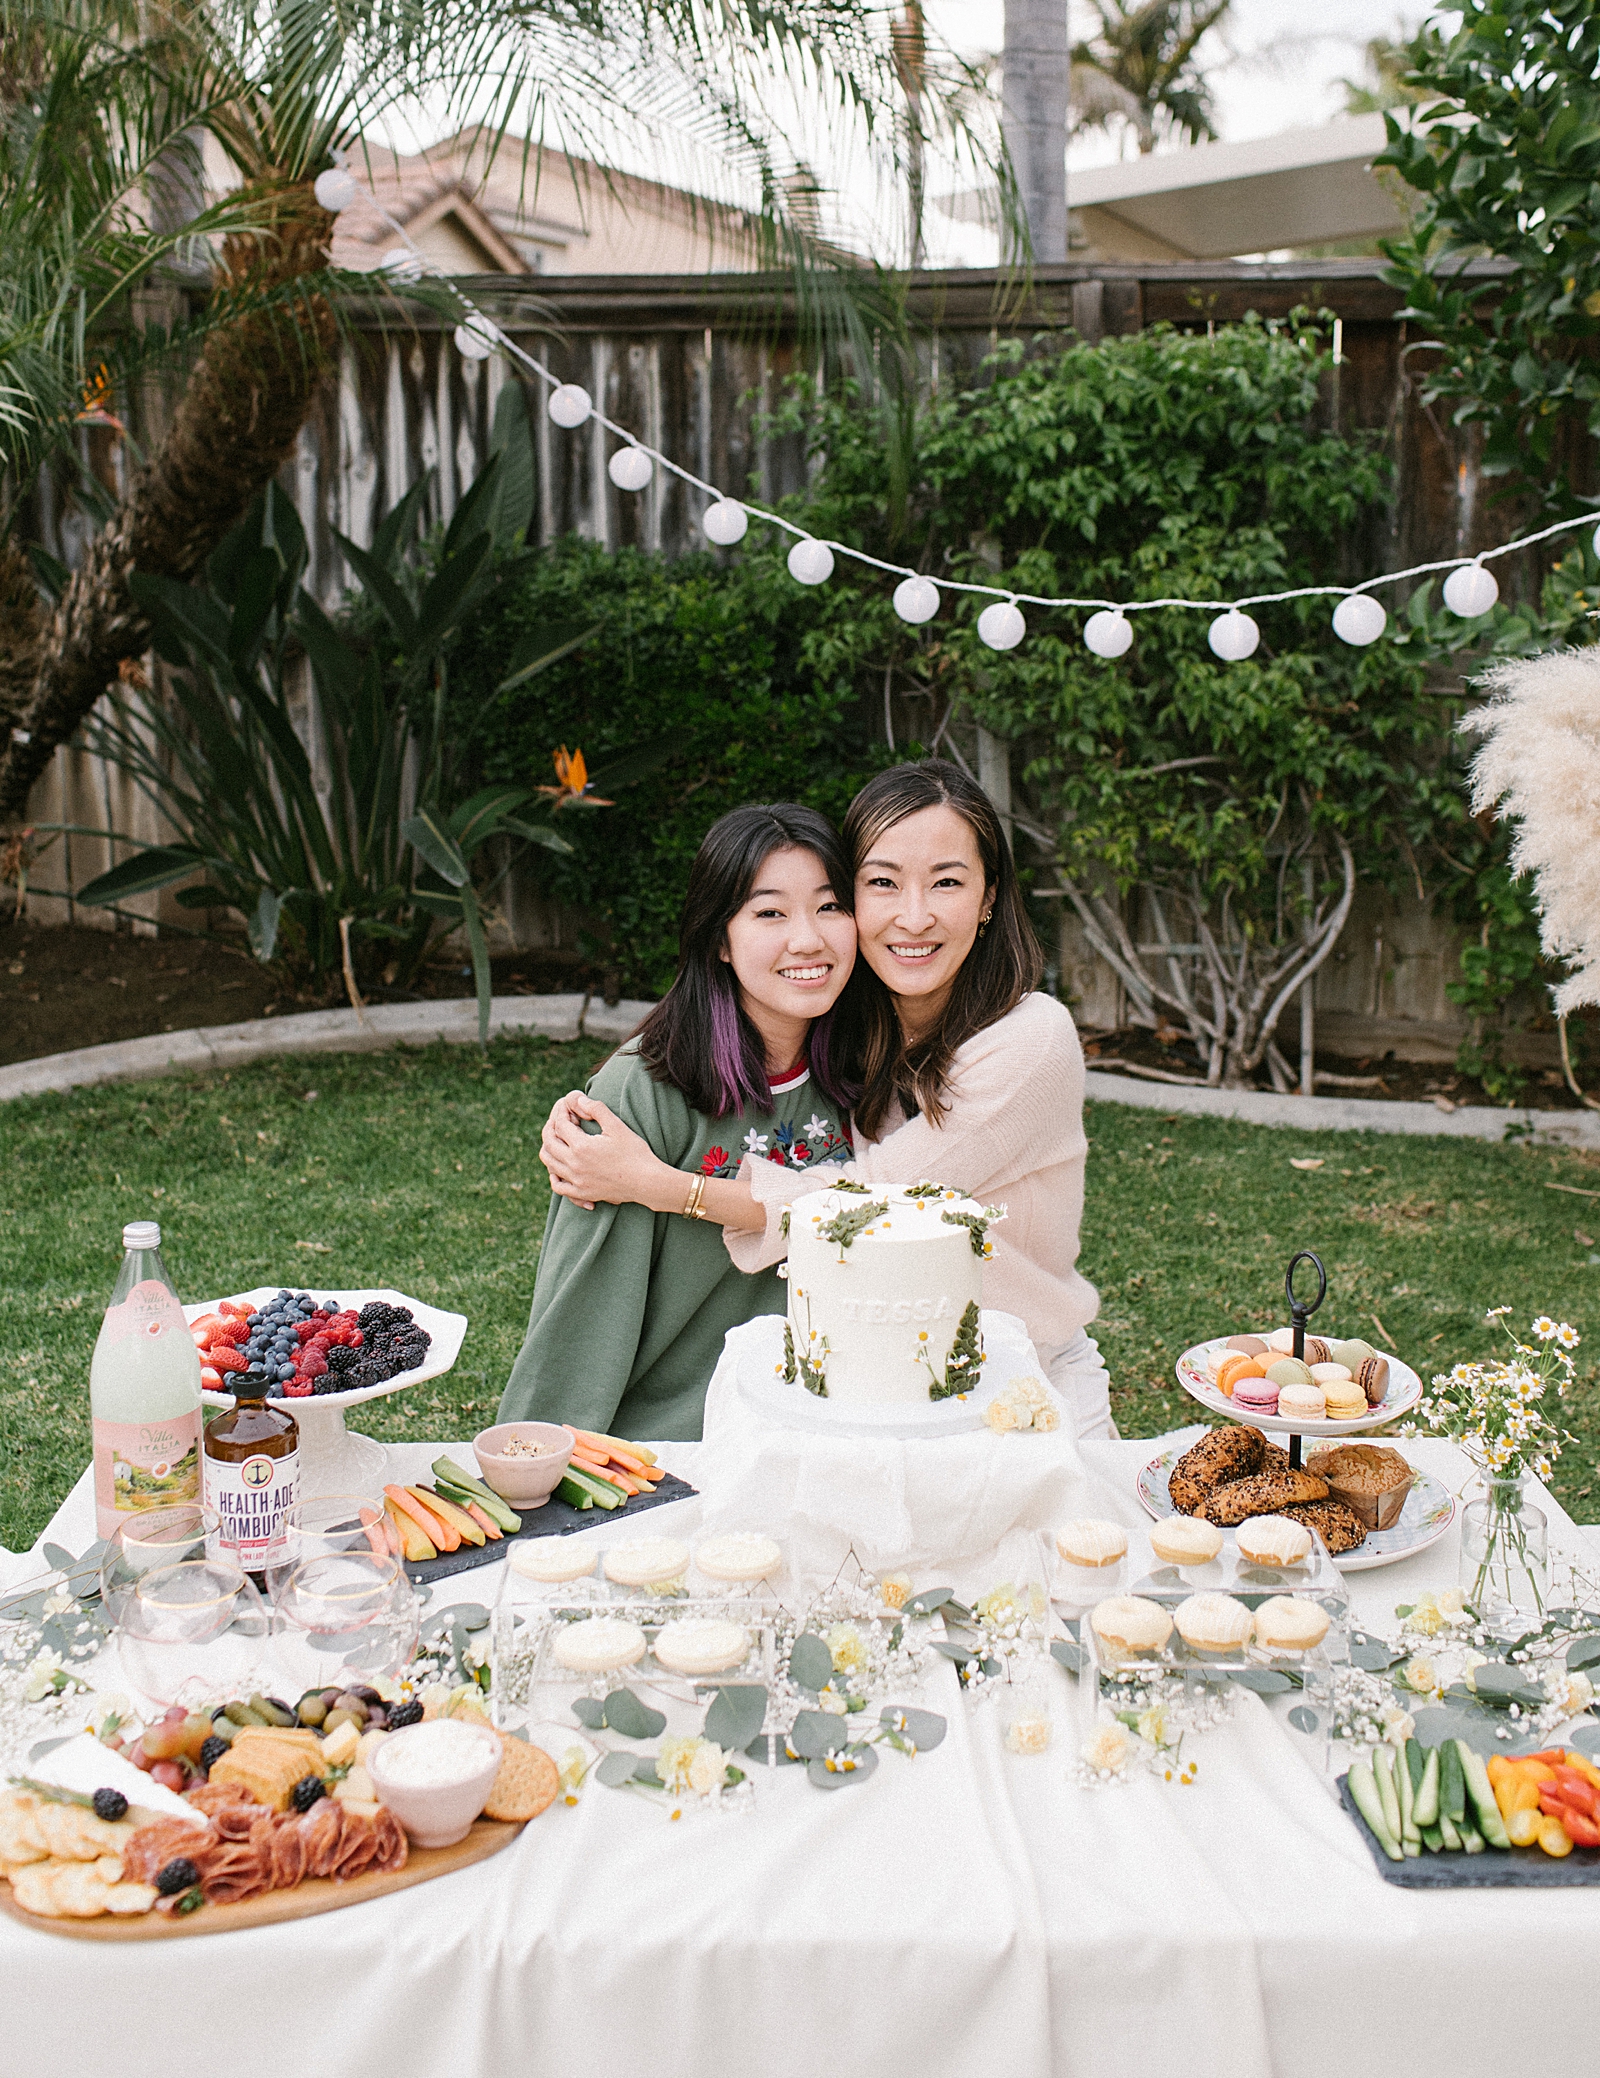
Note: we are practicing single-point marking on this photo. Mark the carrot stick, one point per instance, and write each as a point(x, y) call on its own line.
point(608, 1472)
point(436, 1531)
point(490, 1529)
point(614, 1446)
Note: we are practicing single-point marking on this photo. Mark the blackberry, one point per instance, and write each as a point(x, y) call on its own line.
point(178, 1874)
point(375, 1314)
point(342, 1359)
point(212, 1751)
point(110, 1804)
point(403, 1714)
point(331, 1382)
point(306, 1792)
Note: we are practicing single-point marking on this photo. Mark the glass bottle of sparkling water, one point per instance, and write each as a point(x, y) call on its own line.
point(144, 1390)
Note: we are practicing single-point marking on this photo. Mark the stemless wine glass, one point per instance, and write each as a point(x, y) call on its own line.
point(191, 1632)
point(349, 1616)
point(324, 1525)
point(157, 1538)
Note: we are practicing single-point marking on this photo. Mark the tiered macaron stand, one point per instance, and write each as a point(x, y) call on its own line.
point(1429, 1507)
point(333, 1458)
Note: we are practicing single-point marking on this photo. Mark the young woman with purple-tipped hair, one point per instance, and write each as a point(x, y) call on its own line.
point(631, 1304)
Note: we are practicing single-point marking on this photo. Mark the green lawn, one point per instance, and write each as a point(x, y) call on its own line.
point(421, 1170)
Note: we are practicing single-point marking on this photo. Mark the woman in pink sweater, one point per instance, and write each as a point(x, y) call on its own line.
point(967, 1075)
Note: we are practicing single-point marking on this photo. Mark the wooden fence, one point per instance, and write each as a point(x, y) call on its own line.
point(693, 364)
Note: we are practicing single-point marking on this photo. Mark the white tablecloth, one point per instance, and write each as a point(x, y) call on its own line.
point(964, 1913)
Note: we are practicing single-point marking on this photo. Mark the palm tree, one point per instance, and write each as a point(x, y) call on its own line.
point(282, 87)
point(1138, 69)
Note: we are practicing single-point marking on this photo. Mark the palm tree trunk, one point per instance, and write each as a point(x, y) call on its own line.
point(235, 425)
point(1036, 66)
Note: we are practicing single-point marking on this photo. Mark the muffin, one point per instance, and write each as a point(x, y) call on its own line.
point(1371, 1480)
point(1092, 1543)
point(1185, 1540)
point(1290, 1624)
point(598, 1645)
point(1214, 1623)
point(1271, 1540)
point(1127, 1626)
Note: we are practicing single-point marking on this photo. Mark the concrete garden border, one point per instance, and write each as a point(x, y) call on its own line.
point(212, 1047)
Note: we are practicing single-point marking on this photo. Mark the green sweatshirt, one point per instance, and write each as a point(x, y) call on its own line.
point(630, 1307)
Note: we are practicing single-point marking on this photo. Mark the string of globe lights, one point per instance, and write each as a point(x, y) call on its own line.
point(1470, 589)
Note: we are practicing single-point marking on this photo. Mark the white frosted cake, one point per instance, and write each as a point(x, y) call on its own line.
point(885, 1291)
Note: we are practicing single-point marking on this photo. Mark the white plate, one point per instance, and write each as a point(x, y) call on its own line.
point(1405, 1389)
point(447, 1330)
point(1429, 1511)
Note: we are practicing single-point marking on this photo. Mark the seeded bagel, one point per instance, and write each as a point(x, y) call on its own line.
point(1221, 1455)
point(1264, 1493)
point(1339, 1527)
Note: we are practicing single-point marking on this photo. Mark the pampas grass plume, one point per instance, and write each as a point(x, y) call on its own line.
point(1540, 763)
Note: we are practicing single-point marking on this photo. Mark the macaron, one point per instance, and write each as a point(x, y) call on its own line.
point(1316, 1351)
point(1214, 1623)
point(1256, 1396)
point(1273, 1540)
point(1326, 1374)
point(1351, 1354)
point(1282, 1340)
point(1233, 1367)
point(1288, 1370)
point(1185, 1540)
point(1373, 1378)
point(1346, 1401)
point(1092, 1543)
point(1290, 1623)
point(1127, 1624)
point(1302, 1403)
point(1247, 1345)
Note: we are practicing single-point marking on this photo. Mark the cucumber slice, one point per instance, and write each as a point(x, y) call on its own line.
point(1410, 1837)
point(582, 1491)
point(1383, 1770)
point(1452, 1839)
point(1364, 1795)
point(1433, 1839)
point(1416, 1765)
point(1471, 1839)
point(451, 1481)
point(1485, 1811)
point(1452, 1783)
point(1427, 1804)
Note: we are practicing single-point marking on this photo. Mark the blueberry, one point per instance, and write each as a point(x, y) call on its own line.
point(285, 1293)
point(252, 1320)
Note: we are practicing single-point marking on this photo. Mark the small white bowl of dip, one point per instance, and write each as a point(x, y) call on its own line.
point(436, 1777)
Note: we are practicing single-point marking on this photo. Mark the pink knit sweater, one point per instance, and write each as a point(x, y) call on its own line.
point(1012, 1136)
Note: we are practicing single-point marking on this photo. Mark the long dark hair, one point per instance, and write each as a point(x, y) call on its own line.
point(1004, 965)
point(698, 1038)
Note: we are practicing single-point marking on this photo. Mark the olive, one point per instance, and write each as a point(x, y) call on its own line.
point(355, 1703)
point(331, 1696)
point(369, 1696)
point(377, 1718)
point(312, 1709)
point(239, 1713)
point(335, 1718)
point(223, 1728)
point(270, 1711)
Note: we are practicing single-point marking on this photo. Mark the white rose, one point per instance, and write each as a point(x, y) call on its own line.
point(42, 1671)
point(1451, 1604)
point(675, 1761)
point(1421, 1675)
point(1001, 1416)
point(707, 1768)
point(1152, 1725)
point(1107, 1750)
point(1046, 1420)
point(1398, 1725)
point(835, 1703)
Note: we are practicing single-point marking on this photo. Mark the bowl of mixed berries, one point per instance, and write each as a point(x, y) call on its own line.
point(299, 1347)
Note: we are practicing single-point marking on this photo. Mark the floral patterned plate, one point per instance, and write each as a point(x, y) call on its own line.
point(1194, 1375)
point(1429, 1511)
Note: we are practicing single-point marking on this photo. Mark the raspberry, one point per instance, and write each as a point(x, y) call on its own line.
point(312, 1364)
point(294, 1390)
point(305, 1331)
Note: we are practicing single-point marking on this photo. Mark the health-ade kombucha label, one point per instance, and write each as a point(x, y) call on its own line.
point(251, 1499)
point(140, 1465)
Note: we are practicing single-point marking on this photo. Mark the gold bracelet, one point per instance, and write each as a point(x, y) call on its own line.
point(697, 1191)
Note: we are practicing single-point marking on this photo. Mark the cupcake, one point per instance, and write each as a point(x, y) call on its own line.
point(598, 1645)
point(1247, 1345)
point(1128, 1626)
point(1255, 1396)
point(1185, 1540)
point(1214, 1623)
point(1288, 1370)
point(553, 1560)
point(704, 1645)
point(1373, 1378)
point(1302, 1403)
point(1092, 1543)
point(1290, 1624)
point(1273, 1540)
point(655, 1563)
point(1346, 1402)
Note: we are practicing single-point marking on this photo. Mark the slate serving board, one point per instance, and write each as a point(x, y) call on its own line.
point(1516, 1868)
point(557, 1518)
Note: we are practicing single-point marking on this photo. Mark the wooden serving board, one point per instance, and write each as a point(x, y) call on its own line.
point(305, 1901)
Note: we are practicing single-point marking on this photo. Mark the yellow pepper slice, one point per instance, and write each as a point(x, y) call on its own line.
point(1555, 1839)
point(1523, 1827)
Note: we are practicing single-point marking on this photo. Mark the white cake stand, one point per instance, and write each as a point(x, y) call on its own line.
point(1007, 1354)
point(333, 1458)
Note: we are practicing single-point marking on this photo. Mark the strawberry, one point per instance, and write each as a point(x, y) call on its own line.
point(233, 1331)
point(222, 1356)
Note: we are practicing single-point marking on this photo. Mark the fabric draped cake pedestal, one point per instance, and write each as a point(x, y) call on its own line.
point(927, 1491)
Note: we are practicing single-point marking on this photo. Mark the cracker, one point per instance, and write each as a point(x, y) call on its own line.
point(526, 1784)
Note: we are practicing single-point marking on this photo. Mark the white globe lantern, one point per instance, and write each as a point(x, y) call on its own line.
point(1001, 625)
point(475, 341)
point(570, 404)
point(1359, 619)
point(725, 522)
point(1470, 591)
point(1597, 541)
point(1233, 636)
point(1108, 634)
point(811, 561)
point(335, 189)
point(630, 469)
point(916, 599)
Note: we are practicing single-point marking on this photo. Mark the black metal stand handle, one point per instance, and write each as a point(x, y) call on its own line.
point(1299, 1313)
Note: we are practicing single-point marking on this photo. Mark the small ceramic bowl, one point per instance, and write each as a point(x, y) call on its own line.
point(436, 1814)
point(526, 1482)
